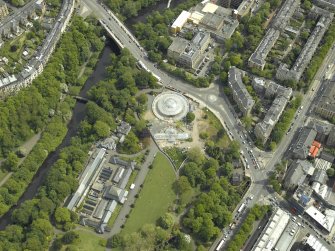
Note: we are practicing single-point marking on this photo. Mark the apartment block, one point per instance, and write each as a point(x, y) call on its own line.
point(257, 59)
point(295, 73)
point(240, 94)
point(326, 105)
point(189, 53)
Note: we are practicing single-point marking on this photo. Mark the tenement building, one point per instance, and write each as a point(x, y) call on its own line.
point(296, 71)
point(257, 59)
point(326, 105)
point(240, 94)
point(281, 96)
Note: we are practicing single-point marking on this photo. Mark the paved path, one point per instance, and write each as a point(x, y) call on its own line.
point(28, 146)
point(121, 218)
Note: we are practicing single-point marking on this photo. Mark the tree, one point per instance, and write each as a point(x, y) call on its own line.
point(11, 163)
point(142, 98)
point(42, 225)
point(195, 155)
point(223, 77)
point(189, 117)
point(227, 169)
point(115, 241)
point(182, 185)
point(330, 172)
point(166, 221)
point(62, 215)
point(70, 237)
point(273, 145)
point(130, 144)
point(236, 59)
point(247, 121)
point(101, 129)
point(307, 4)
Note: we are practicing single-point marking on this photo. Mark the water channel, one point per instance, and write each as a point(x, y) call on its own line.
point(79, 113)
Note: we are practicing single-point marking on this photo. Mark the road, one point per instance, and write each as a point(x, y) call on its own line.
point(214, 101)
point(17, 13)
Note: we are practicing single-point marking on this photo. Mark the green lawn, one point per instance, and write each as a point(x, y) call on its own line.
point(87, 241)
point(156, 196)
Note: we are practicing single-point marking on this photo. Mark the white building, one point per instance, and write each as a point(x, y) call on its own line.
point(273, 231)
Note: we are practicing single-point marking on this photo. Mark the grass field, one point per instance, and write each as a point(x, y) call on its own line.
point(87, 241)
point(156, 196)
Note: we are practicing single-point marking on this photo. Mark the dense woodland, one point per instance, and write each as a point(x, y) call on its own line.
point(127, 9)
point(120, 96)
point(30, 111)
point(114, 98)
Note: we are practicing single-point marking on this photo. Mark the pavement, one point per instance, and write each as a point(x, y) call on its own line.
point(214, 100)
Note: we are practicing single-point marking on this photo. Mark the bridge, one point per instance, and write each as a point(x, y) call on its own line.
point(81, 99)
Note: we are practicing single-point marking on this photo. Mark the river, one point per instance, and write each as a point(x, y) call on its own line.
point(79, 113)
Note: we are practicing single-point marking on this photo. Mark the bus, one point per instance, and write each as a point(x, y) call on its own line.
point(220, 245)
point(158, 78)
point(241, 208)
point(142, 65)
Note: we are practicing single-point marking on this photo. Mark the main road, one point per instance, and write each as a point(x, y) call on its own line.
point(214, 101)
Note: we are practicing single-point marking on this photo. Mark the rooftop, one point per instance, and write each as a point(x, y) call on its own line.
point(327, 100)
point(304, 141)
point(273, 230)
point(212, 21)
point(263, 49)
point(297, 172)
point(181, 19)
point(235, 82)
point(285, 13)
point(315, 244)
point(325, 220)
point(287, 239)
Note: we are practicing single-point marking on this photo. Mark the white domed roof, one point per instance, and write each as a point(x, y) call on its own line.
point(170, 105)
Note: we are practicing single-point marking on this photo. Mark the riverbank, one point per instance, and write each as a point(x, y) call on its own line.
point(64, 139)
